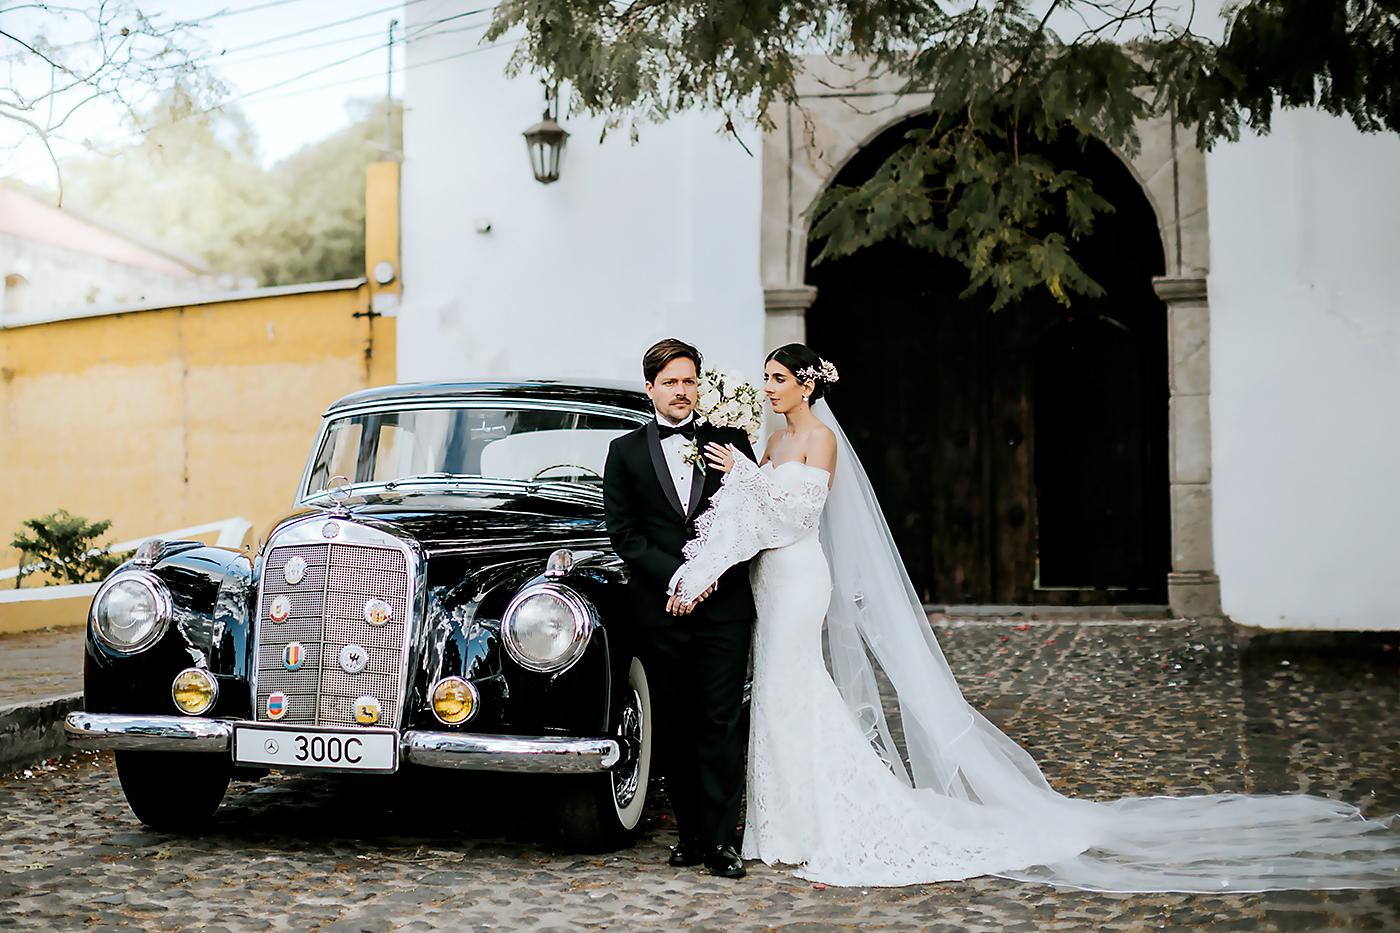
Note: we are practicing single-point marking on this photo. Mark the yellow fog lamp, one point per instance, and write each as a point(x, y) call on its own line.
point(454, 701)
point(194, 691)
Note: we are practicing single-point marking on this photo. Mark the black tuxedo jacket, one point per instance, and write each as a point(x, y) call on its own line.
point(649, 525)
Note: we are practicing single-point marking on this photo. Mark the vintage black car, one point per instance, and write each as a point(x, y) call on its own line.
point(444, 595)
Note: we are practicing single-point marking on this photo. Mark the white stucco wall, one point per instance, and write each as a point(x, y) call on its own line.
point(577, 278)
point(662, 239)
point(1305, 242)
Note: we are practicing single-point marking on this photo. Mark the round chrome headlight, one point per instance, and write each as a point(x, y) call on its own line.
point(547, 627)
point(131, 611)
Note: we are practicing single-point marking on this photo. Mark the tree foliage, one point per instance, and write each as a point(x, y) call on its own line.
point(320, 211)
point(193, 180)
point(63, 60)
point(1006, 79)
point(65, 548)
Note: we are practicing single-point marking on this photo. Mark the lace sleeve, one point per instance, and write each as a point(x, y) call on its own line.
point(748, 514)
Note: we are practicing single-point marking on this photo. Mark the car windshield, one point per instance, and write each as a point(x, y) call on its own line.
point(443, 444)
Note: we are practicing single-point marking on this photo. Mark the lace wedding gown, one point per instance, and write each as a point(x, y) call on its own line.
point(818, 796)
point(831, 791)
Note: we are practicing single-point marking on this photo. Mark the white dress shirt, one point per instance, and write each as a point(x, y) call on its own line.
point(673, 448)
point(682, 473)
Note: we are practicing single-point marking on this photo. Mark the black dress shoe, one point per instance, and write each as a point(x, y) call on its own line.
point(724, 862)
point(685, 855)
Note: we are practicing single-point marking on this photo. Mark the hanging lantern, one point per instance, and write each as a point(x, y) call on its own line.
point(546, 140)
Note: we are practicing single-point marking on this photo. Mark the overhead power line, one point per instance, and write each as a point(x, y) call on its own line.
point(191, 23)
point(224, 14)
point(423, 31)
point(219, 57)
point(419, 33)
point(367, 77)
point(323, 26)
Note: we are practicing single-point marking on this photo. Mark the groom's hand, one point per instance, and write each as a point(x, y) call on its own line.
point(676, 607)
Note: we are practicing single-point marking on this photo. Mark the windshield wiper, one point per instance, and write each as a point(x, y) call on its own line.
point(417, 476)
point(567, 490)
point(554, 487)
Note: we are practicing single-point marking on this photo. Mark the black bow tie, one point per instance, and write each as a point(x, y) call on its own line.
point(686, 430)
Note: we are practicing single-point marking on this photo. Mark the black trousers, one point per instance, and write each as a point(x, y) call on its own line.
point(696, 671)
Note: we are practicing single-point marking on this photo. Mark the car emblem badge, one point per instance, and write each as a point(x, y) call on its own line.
point(377, 612)
point(353, 659)
point(277, 705)
point(330, 530)
point(279, 610)
point(367, 711)
point(294, 571)
point(293, 655)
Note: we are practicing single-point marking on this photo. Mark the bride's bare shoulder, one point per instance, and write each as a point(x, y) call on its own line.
point(821, 448)
point(768, 447)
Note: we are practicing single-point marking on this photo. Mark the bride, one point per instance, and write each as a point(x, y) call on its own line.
point(833, 791)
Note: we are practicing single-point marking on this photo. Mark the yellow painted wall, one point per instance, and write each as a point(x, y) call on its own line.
point(178, 416)
point(42, 608)
point(382, 225)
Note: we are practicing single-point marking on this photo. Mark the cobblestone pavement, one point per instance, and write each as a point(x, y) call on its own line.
point(41, 664)
point(1108, 709)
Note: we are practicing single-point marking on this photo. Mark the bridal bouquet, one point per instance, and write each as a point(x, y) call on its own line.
point(727, 401)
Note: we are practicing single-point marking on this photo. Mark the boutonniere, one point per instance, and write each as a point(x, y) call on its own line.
point(690, 454)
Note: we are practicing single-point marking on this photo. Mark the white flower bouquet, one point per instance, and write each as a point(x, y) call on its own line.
point(727, 401)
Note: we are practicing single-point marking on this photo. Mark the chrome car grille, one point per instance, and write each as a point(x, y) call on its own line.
point(327, 613)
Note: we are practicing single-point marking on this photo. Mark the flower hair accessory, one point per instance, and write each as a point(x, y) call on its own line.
point(822, 372)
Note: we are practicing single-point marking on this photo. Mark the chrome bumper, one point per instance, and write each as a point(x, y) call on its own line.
point(148, 733)
point(516, 753)
point(509, 752)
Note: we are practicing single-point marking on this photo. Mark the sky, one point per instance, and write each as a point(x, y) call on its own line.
point(299, 62)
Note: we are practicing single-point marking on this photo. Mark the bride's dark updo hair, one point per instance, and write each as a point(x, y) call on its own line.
point(807, 366)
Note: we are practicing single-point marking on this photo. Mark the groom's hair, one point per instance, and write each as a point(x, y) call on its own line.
point(655, 359)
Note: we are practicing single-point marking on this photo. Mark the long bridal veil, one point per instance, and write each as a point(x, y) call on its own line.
point(1210, 843)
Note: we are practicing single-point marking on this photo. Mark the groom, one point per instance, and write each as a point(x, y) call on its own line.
point(697, 655)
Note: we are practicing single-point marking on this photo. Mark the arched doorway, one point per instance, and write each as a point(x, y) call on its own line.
point(1020, 456)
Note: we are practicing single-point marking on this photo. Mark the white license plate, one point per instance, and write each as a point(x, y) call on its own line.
point(331, 749)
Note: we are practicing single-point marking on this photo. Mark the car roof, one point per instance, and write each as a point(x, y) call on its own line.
point(615, 393)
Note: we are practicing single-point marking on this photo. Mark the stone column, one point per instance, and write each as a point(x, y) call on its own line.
point(785, 320)
point(1192, 585)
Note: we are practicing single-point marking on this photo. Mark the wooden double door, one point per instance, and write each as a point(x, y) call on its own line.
point(1020, 456)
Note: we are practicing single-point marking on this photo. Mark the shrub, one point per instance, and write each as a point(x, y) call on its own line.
point(65, 548)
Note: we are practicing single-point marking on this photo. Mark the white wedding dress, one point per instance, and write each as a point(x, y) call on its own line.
point(831, 791)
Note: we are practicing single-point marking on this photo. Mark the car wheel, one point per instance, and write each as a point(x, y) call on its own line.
point(604, 811)
point(173, 791)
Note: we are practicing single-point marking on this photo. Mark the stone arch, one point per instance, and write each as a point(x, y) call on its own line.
point(839, 111)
